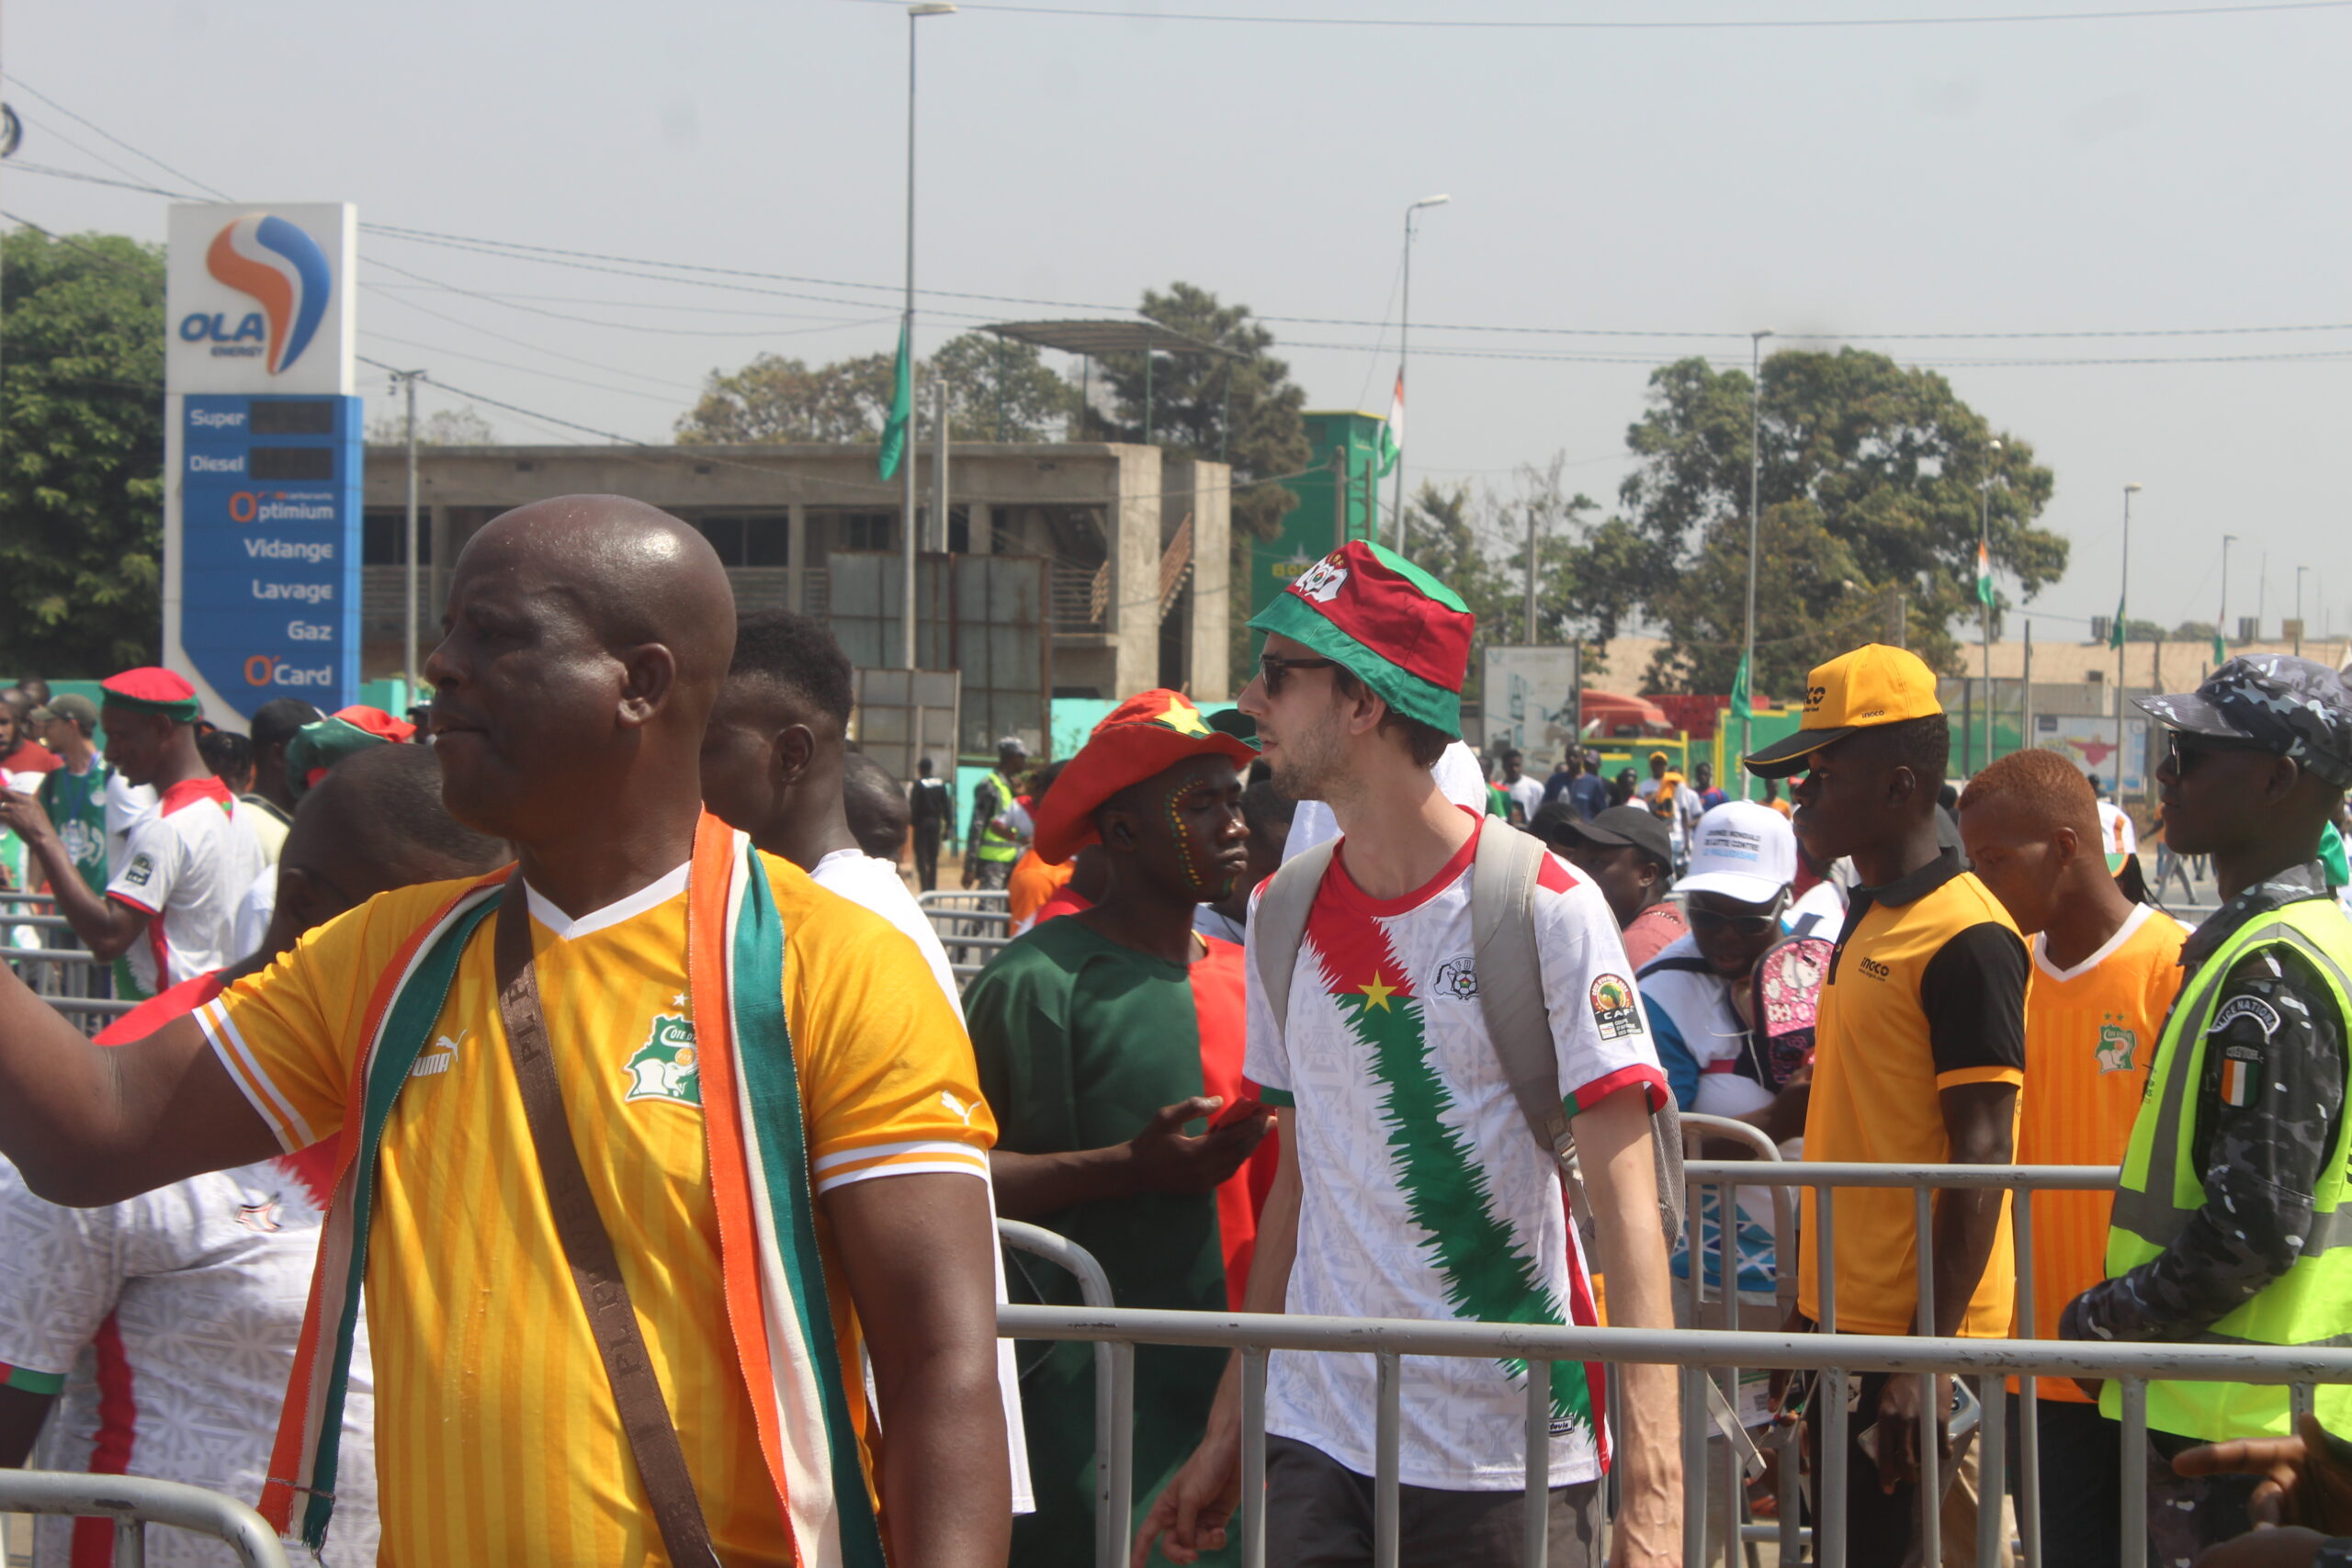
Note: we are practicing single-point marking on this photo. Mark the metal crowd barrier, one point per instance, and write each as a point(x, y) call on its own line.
point(133, 1503)
point(1114, 1388)
point(1718, 1353)
point(972, 923)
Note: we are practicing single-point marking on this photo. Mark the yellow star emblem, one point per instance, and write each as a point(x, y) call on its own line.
point(1184, 717)
point(1376, 995)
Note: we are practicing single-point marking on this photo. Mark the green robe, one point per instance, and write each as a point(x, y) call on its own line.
point(1079, 1040)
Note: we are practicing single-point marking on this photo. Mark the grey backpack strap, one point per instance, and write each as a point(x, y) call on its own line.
point(1279, 923)
point(1510, 994)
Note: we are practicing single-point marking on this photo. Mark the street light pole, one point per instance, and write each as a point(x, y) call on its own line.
point(1403, 323)
point(411, 546)
point(2122, 635)
point(2299, 610)
point(1984, 609)
point(2222, 623)
point(1755, 486)
point(915, 14)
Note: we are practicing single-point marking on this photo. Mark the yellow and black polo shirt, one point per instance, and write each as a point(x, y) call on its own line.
point(1927, 992)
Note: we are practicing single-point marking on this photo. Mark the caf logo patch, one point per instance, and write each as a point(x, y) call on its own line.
point(142, 868)
point(1615, 1011)
point(667, 1066)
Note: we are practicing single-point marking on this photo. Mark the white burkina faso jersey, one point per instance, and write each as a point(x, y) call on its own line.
point(188, 866)
point(166, 1325)
point(1426, 1195)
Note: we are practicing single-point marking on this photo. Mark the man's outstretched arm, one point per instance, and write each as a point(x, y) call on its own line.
point(918, 1251)
point(108, 925)
point(90, 1124)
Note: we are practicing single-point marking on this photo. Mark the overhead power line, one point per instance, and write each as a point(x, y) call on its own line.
point(1727, 24)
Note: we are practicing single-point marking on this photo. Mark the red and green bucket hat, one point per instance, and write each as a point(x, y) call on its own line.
point(1387, 623)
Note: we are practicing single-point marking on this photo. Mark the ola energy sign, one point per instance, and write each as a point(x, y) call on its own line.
point(263, 444)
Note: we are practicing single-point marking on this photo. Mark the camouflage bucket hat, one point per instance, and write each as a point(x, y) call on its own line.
point(2292, 707)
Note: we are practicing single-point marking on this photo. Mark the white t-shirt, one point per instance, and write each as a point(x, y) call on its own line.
point(127, 805)
point(1425, 1196)
point(170, 1322)
point(874, 884)
point(2115, 828)
point(1529, 793)
point(1826, 901)
point(189, 864)
point(250, 929)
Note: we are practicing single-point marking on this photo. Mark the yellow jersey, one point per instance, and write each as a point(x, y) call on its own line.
point(2089, 1033)
point(497, 1441)
point(1927, 992)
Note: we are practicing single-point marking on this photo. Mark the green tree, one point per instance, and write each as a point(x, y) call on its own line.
point(442, 427)
point(1240, 407)
point(81, 452)
point(999, 389)
point(775, 399)
point(1873, 475)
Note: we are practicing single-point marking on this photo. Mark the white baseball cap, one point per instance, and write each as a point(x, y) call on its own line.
point(1743, 850)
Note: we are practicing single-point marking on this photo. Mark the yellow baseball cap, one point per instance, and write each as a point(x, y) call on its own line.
point(1873, 685)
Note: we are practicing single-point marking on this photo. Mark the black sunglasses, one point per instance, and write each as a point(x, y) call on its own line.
point(1275, 671)
point(2187, 750)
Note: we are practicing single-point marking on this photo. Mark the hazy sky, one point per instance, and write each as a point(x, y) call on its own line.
point(2139, 177)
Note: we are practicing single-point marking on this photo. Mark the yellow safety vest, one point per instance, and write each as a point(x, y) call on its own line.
point(2162, 1188)
point(995, 845)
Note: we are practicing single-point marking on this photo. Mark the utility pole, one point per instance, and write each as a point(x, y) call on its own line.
point(1898, 617)
point(1529, 622)
point(411, 546)
point(2221, 621)
point(1755, 486)
point(1984, 548)
point(2025, 719)
point(2299, 610)
point(2122, 635)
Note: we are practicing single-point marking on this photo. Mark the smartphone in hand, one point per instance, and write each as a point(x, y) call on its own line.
point(1240, 1107)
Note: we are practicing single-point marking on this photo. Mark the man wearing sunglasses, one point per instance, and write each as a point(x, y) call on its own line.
point(2230, 1223)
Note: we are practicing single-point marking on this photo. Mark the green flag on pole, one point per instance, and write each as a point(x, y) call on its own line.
point(2115, 632)
point(1741, 707)
point(902, 405)
point(2220, 651)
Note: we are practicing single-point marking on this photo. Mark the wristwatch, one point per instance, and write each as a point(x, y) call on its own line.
point(2337, 1553)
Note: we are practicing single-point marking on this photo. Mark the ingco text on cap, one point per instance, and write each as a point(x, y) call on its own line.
point(1872, 685)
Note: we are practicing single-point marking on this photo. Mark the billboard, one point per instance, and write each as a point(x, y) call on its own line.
point(2088, 741)
point(1529, 697)
point(262, 456)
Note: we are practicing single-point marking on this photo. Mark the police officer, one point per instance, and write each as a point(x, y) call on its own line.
point(995, 843)
point(2231, 1223)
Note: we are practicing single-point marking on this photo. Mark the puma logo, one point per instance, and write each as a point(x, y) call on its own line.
point(441, 1057)
point(963, 1111)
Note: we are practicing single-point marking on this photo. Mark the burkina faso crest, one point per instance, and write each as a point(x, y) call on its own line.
point(667, 1066)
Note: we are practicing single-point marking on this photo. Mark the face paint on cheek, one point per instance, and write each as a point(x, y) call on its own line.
point(1200, 874)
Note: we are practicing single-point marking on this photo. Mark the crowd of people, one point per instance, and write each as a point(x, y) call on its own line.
point(592, 1035)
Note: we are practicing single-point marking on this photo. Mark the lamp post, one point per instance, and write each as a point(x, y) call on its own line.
point(2299, 610)
point(1985, 608)
point(2122, 635)
point(915, 14)
point(2221, 625)
point(1404, 323)
point(1755, 484)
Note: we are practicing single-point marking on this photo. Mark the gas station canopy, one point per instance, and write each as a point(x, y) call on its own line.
point(1100, 337)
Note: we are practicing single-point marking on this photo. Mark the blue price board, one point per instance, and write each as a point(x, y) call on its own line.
point(269, 541)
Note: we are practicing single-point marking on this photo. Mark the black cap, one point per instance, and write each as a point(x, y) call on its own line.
point(1615, 827)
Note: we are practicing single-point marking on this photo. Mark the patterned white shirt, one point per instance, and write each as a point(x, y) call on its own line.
point(167, 1327)
point(188, 866)
point(1425, 1194)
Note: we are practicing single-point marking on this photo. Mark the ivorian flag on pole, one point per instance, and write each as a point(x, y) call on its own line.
point(1740, 707)
point(1392, 434)
point(1984, 575)
point(902, 404)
